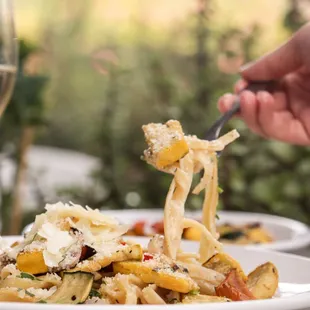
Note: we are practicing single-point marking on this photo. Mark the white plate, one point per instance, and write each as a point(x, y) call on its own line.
point(288, 234)
point(292, 269)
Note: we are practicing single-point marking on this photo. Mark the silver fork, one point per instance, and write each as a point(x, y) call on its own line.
point(254, 86)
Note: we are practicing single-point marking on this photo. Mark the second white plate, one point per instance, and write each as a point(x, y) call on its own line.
point(288, 234)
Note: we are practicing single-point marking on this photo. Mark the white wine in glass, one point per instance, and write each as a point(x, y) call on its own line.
point(8, 53)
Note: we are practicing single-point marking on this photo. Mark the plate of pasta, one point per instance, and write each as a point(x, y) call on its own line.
point(76, 255)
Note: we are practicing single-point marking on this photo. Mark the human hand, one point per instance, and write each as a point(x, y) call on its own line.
point(285, 114)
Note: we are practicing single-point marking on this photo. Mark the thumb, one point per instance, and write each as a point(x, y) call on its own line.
point(274, 65)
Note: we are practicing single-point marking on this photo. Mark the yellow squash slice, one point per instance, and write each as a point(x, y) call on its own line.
point(166, 143)
point(162, 277)
point(31, 262)
point(192, 233)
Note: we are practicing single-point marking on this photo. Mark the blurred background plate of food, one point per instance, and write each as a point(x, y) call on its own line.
point(235, 228)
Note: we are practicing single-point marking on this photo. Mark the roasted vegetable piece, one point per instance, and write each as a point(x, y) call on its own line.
point(95, 263)
point(234, 288)
point(263, 281)
point(166, 143)
point(171, 154)
point(191, 233)
point(195, 299)
point(31, 262)
point(74, 289)
point(223, 263)
point(258, 235)
point(139, 228)
point(162, 277)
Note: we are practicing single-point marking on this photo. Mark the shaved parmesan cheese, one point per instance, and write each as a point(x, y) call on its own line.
point(56, 239)
point(61, 210)
point(56, 232)
point(52, 260)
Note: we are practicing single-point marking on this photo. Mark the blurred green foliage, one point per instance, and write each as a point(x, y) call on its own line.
point(257, 175)
point(140, 82)
point(24, 114)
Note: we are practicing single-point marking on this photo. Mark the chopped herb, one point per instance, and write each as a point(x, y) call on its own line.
point(193, 292)
point(35, 235)
point(217, 216)
point(220, 190)
point(29, 294)
point(64, 256)
point(25, 275)
point(103, 282)
point(94, 293)
point(42, 302)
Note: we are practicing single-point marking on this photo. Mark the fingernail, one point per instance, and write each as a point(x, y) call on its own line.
point(243, 96)
point(263, 96)
point(226, 100)
point(247, 97)
point(246, 66)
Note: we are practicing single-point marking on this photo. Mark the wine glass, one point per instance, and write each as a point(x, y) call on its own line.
point(8, 53)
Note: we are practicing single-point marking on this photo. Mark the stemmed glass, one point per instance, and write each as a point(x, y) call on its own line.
point(8, 53)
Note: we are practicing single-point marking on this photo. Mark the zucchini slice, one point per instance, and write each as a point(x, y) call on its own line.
point(74, 289)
